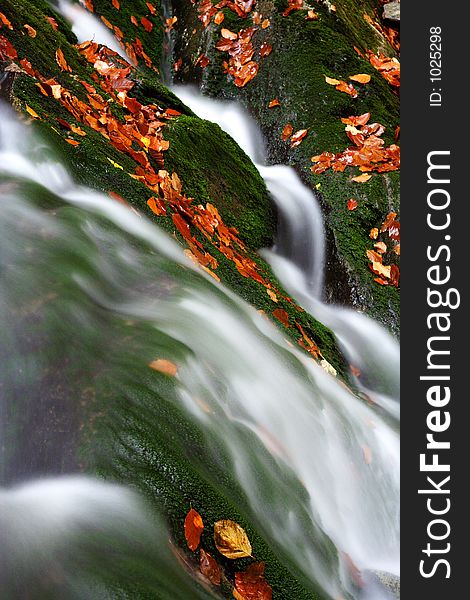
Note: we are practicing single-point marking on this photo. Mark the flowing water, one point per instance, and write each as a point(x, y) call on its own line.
point(91, 292)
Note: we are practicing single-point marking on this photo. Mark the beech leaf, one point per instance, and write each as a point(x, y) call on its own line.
point(209, 567)
point(193, 528)
point(360, 78)
point(231, 539)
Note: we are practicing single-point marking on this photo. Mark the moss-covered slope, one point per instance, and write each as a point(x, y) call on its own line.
point(303, 52)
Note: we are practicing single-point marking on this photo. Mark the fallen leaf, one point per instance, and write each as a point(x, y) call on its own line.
point(396, 249)
point(297, 138)
point(332, 81)
point(115, 164)
point(381, 247)
point(31, 31)
point(116, 4)
point(193, 528)
point(147, 25)
point(362, 178)
point(251, 583)
point(72, 142)
point(219, 17)
point(311, 16)
point(360, 78)
point(274, 103)
point(231, 540)
point(227, 34)
point(32, 112)
point(281, 315)
point(5, 21)
point(265, 49)
point(265, 24)
point(272, 295)
point(395, 276)
point(374, 233)
point(202, 61)
point(287, 132)
point(162, 365)
point(60, 59)
point(352, 204)
point(52, 22)
point(209, 567)
point(347, 88)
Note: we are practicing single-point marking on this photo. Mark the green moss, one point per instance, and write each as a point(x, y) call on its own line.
point(215, 169)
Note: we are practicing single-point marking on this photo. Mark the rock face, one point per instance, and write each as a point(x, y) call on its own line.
point(391, 12)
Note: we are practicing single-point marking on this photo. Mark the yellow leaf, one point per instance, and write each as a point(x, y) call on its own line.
point(360, 78)
point(272, 295)
point(231, 540)
point(318, 186)
point(115, 164)
point(332, 81)
point(381, 247)
point(362, 178)
point(236, 594)
point(164, 366)
point(374, 232)
point(381, 269)
point(56, 91)
point(32, 112)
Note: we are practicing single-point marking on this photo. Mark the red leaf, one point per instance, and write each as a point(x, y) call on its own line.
point(193, 528)
point(252, 585)
point(282, 316)
point(265, 49)
point(209, 567)
point(352, 204)
point(6, 49)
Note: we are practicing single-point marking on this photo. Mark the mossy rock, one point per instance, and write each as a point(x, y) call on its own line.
point(303, 53)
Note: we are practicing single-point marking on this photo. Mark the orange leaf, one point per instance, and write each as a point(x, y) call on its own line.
point(274, 103)
point(164, 366)
point(72, 142)
point(381, 247)
point(151, 8)
point(5, 21)
point(219, 17)
point(287, 132)
point(251, 584)
point(265, 24)
point(311, 16)
point(52, 22)
point(227, 34)
point(374, 233)
point(347, 88)
point(60, 59)
point(6, 49)
point(157, 206)
point(193, 528)
point(352, 204)
point(282, 316)
point(32, 112)
point(116, 4)
point(209, 567)
point(134, 21)
point(362, 178)
point(360, 78)
point(31, 31)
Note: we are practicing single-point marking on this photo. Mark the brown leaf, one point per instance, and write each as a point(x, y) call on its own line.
point(287, 132)
point(360, 78)
point(395, 276)
point(265, 49)
point(193, 528)
point(251, 583)
point(6, 49)
point(162, 365)
point(281, 315)
point(231, 539)
point(209, 567)
point(352, 204)
point(381, 247)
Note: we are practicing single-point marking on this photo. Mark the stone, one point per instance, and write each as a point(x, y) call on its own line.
point(392, 12)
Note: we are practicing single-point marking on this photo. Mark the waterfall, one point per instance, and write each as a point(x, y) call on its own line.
point(89, 287)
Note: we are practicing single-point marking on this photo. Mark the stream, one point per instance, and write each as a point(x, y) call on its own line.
point(90, 290)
